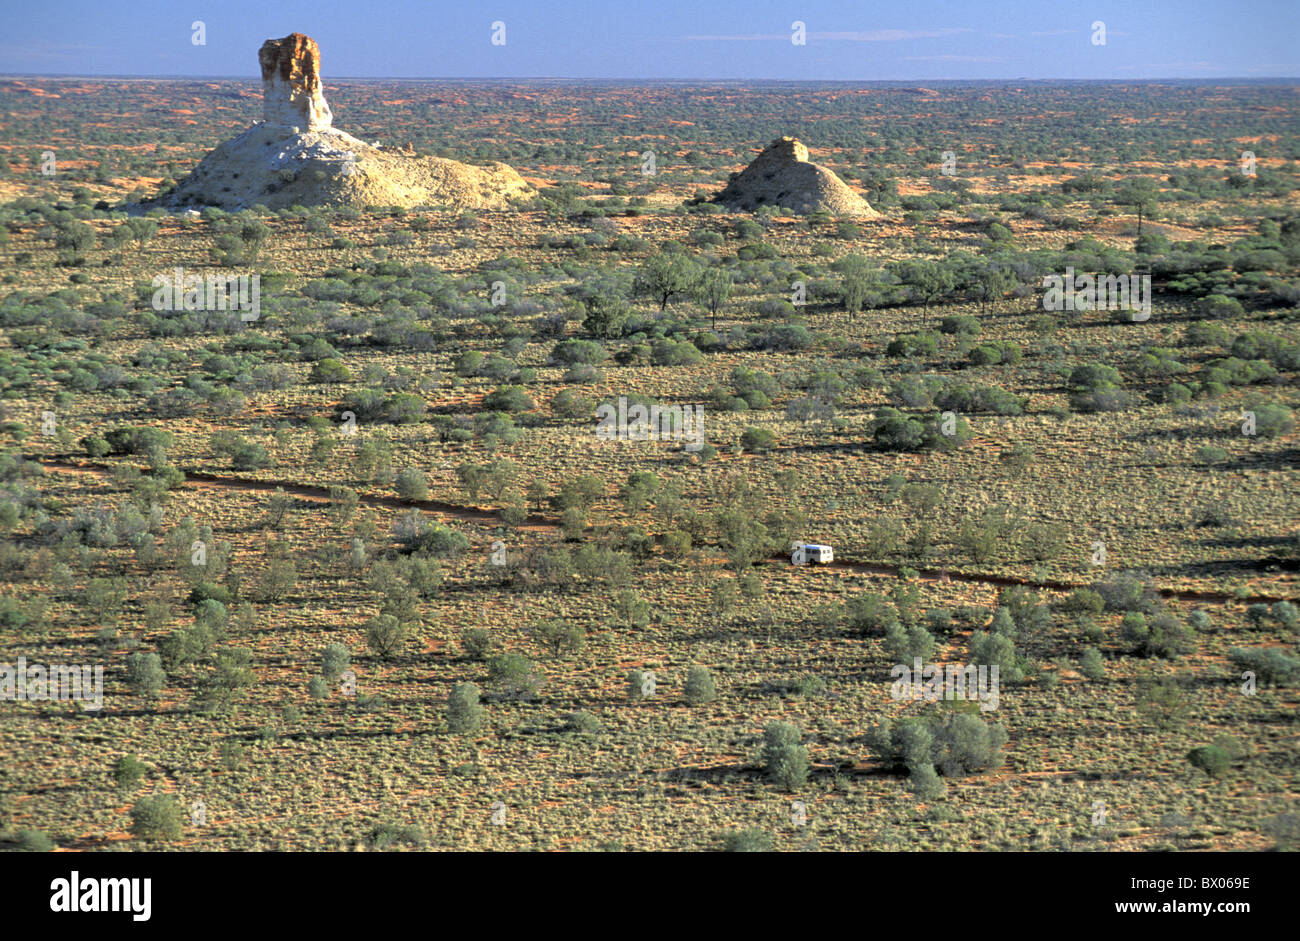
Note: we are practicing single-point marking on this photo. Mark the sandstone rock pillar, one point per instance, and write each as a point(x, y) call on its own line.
point(291, 88)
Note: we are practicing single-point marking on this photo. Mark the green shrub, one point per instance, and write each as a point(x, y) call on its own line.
point(127, 771)
point(1285, 829)
point(96, 447)
point(385, 635)
point(903, 644)
point(1207, 334)
point(996, 649)
point(138, 440)
point(156, 818)
point(1091, 664)
point(913, 344)
point(1003, 624)
point(785, 759)
point(464, 712)
point(1095, 387)
point(231, 671)
point(1286, 614)
point(960, 324)
point(411, 485)
point(204, 591)
point(1082, 601)
point(1257, 615)
point(569, 352)
point(955, 743)
point(583, 722)
point(185, 646)
point(1271, 419)
point(699, 686)
point(508, 399)
point(278, 580)
point(1270, 665)
point(677, 544)
point(442, 542)
point(757, 440)
point(925, 782)
point(249, 455)
point(1133, 627)
point(477, 643)
point(965, 743)
point(513, 676)
point(869, 613)
point(1163, 699)
point(1219, 306)
point(897, 432)
point(392, 834)
point(560, 636)
point(144, 674)
point(334, 660)
point(751, 840)
point(32, 841)
point(1165, 636)
point(1230, 746)
point(329, 370)
point(1213, 761)
point(1126, 591)
point(807, 686)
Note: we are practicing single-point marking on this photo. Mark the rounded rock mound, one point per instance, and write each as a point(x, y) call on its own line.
point(783, 176)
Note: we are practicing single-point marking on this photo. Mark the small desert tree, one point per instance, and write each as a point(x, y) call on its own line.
point(713, 291)
point(667, 274)
point(141, 230)
point(785, 758)
point(386, 635)
point(1141, 195)
point(859, 279)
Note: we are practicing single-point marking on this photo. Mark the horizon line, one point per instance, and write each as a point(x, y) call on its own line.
point(565, 78)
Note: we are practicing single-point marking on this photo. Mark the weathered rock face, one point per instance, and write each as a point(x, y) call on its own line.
point(782, 150)
point(291, 88)
point(782, 176)
point(295, 156)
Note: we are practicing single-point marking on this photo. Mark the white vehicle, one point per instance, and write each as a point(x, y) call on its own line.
point(810, 552)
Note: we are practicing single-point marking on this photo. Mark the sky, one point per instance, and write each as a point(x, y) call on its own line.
point(843, 40)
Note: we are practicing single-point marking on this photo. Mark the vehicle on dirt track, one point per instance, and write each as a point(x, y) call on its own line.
point(811, 552)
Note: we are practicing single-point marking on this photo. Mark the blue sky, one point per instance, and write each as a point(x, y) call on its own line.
point(846, 40)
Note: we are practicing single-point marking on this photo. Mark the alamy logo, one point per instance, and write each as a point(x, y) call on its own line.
point(103, 895)
point(654, 423)
point(962, 682)
point(1099, 292)
point(59, 682)
point(181, 291)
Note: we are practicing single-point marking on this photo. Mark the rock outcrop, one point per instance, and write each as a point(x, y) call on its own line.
point(291, 88)
point(295, 156)
point(782, 176)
